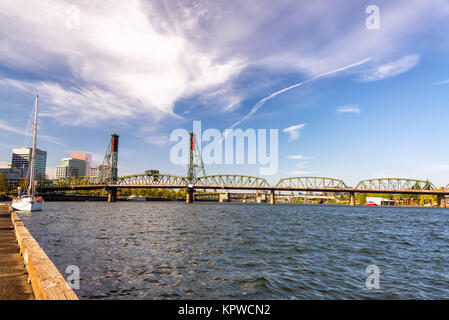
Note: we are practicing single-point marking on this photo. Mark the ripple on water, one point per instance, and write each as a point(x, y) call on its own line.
point(170, 250)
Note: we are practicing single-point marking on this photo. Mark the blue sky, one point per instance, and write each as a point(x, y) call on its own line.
point(374, 102)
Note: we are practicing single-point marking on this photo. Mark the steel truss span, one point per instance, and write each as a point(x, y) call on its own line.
point(239, 181)
point(311, 182)
point(166, 180)
point(154, 179)
point(395, 184)
point(231, 180)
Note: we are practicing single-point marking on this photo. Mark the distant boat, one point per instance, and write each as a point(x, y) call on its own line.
point(29, 201)
point(136, 198)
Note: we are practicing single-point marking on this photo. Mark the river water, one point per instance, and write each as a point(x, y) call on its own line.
point(171, 250)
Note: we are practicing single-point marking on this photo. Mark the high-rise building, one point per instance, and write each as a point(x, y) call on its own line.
point(87, 157)
point(21, 159)
point(70, 167)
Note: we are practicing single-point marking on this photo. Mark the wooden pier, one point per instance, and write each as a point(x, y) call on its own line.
point(13, 274)
point(26, 272)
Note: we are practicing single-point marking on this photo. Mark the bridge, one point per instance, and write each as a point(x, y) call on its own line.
point(196, 179)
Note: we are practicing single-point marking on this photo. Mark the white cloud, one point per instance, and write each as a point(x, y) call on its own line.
point(440, 83)
point(391, 69)
point(301, 165)
point(124, 65)
point(261, 102)
point(297, 157)
point(141, 57)
point(351, 108)
point(294, 131)
point(54, 140)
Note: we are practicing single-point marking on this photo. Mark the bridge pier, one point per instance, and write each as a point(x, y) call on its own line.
point(261, 197)
point(189, 195)
point(352, 198)
point(441, 201)
point(224, 197)
point(272, 197)
point(112, 195)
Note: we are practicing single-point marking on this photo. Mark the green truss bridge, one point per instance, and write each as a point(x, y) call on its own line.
point(196, 179)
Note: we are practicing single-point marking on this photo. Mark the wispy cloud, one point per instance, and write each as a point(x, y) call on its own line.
point(146, 56)
point(123, 60)
point(11, 129)
point(391, 69)
point(440, 83)
point(294, 131)
point(54, 140)
point(297, 157)
point(350, 108)
point(261, 102)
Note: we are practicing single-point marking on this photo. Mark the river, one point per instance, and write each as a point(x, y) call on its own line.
point(173, 250)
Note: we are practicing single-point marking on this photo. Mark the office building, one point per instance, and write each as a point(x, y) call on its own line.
point(70, 167)
point(86, 157)
point(12, 175)
point(21, 159)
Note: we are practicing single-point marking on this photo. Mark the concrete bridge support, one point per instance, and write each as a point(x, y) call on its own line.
point(261, 197)
point(441, 201)
point(352, 198)
point(272, 197)
point(112, 195)
point(224, 197)
point(189, 195)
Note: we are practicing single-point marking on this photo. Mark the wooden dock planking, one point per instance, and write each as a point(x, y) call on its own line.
point(13, 275)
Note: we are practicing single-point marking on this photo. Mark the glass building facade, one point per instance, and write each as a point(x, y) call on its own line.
point(21, 159)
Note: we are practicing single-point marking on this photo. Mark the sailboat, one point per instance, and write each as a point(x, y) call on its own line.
point(29, 201)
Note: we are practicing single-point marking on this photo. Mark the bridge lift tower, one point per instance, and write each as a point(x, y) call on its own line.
point(196, 167)
point(108, 170)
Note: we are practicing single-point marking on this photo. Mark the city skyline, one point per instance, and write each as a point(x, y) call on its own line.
point(349, 102)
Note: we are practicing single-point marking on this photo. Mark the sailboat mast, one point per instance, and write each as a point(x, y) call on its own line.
point(32, 187)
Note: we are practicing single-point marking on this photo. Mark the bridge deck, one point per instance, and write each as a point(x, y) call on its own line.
point(13, 275)
point(255, 188)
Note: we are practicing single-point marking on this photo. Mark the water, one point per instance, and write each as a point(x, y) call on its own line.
point(171, 250)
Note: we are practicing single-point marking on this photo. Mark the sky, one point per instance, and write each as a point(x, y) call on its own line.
point(354, 93)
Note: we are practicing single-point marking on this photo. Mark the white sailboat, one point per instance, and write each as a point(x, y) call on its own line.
point(29, 201)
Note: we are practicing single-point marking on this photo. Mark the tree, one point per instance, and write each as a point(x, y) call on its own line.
point(23, 183)
point(3, 185)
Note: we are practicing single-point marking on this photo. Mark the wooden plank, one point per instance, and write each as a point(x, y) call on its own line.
point(46, 281)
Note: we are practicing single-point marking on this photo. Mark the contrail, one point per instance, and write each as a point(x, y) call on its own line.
point(261, 102)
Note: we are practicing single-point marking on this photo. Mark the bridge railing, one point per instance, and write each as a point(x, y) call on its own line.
point(311, 182)
point(395, 184)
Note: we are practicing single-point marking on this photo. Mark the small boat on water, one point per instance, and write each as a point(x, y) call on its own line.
point(29, 201)
point(136, 198)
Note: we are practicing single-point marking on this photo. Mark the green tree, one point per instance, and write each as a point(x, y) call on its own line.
point(23, 183)
point(3, 185)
